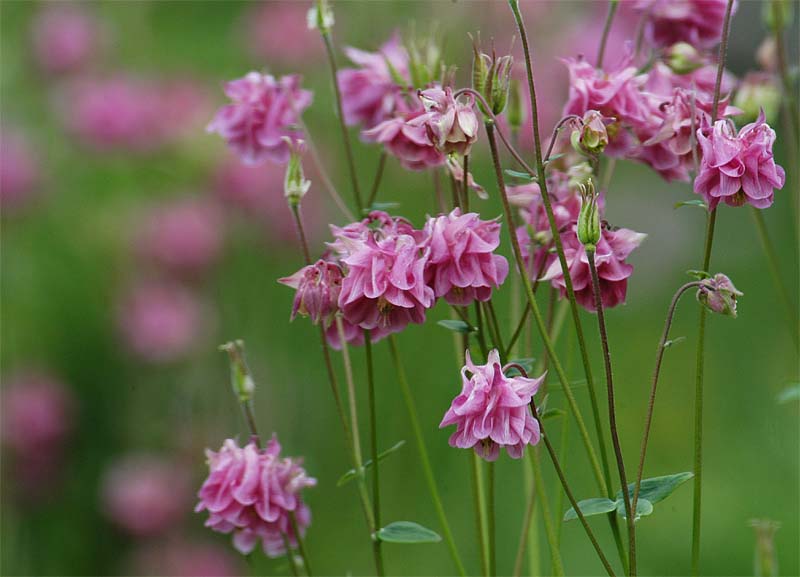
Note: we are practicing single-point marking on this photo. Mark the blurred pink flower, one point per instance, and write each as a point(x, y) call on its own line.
point(662, 81)
point(145, 495)
point(696, 22)
point(251, 492)
point(182, 236)
point(370, 93)
point(19, 171)
point(453, 125)
point(277, 31)
point(161, 322)
point(738, 168)
point(264, 112)
point(65, 36)
point(180, 558)
point(492, 411)
point(318, 288)
point(463, 266)
point(407, 138)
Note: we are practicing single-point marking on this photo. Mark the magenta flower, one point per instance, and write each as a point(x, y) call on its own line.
point(385, 283)
point(19, 171)
point(463, 267)
point(145, 495)
point(738, 168)
point(182, 558)
point(251, 493)
point(407, 137)
point(318, 286)
point(377, 222)
point(492, 411)
point(278, 32)
point(370, 93)
point(65, 38)
point(696, 22)
point(453, 125)
point(264, 113)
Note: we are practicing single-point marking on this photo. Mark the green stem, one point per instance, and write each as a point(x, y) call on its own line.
point(612, 10)
point(492, 523)
point(538, 480)
point(477, 495)
point(492, 317)
point(376, 183)
point(423, 453)
point(373, 431)
point(564, 452)
point(524, 536)
point(290, 555)
point(301, 547)
point(351, 393)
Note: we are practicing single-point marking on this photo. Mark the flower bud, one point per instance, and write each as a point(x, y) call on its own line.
point(719, 294)
point(767, 54)
point(514, 114)
point(589, 217)
point(683, 58)
point(317, 291)
point(241, 381)
point(757, 91)
point(777, 14)
point(491, 77)
point(766, 557)
point(320, 17)
point(295, 185)
point(590, 137)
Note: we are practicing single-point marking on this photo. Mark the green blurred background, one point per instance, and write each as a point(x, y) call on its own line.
point(67, 259)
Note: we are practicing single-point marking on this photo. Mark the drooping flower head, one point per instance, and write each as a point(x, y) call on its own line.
point(696, 22)
point(492, 411)
point(452, 124)
point(264, 112)
point(738, 168)
point(408, 138)
point(252, 492)
point(719, 294)
point(318, 286)
point(463, 266)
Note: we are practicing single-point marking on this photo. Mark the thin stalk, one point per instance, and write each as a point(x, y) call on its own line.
point(437, 190)
point(235, 352)
point(612, 10)
point(492, 316)
point(301, 547)
point(323, 174)
point(373, 432)
point(477, 496)
point(492, 522)
point(530, 509)
point(549, 529)
point(290, 555)
point(612, 413)
point(326, 38)
point(298, 221)
point(465, 185)
point(376, 183)
point(351, 393)
point(564, 449)
point(481, 336)
point(662, 346)
point(423, 453)
point(701, 328)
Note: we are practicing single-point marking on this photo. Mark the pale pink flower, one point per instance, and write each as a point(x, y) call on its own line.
point(719, 294)
point(738, 168)
point(65, 37)
point(377, 222)
point(264, 113)
point(278, 32)
point(492, 411)
point(696, 22)
point(251, 493)
point(453, 124)
point(463, 266)
point(180, 558)
point(370, 93)
point(19, 171)
point(662, 81)
point(318, 286)
point(456, 168)
point(144, 494)
point(407, 137)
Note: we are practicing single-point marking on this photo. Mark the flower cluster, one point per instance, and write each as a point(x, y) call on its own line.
point(252, 493)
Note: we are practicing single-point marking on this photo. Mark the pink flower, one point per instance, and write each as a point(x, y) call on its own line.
point(407, 137)
point(19, 171)
point(492, 410)
point(462, 266)
point(144, 495)
point(180, 558)
point(251, 493)
point(370, 94)
point(385, 283)
point(612, 250)
point(453, 125)
point(738, 168)
point(65, 37)
point(376, 222)
point(318, 286)
point(263, 114)
point(182, 236)
point(719, 294)
point(277, 32)
point(696, 22)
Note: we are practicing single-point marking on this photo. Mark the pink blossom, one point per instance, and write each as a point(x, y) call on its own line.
point(65, 37)
point(264, 112)
point(318, 286)
point(385, 283)
point(277, 32)
point(370, 93)
point(463, 266)
point(738, 168)
point(181, 558)
point(662, 81)
point(377, 222)
point(144, 494)
point(19, 171)
point(453, 125)
point(719, 294)
point(492, 410)
point(407, 137)
point(696, 22)
point(252, 492)
point(183, 236)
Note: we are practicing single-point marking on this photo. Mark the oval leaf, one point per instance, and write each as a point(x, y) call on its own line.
point(520, 175)
point(790, 393)
point(643, 508)
point(407, 532)
point(591, 507)
point(457, 326)
point(352, 473)
point(695, 202)
point(658, 488)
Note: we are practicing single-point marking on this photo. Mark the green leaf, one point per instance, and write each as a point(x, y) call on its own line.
point(790, 393)
point(674, 341)
point(591, 507)
point(643, 508)
point(694, 202)
point(385, 206)
point(526, 363)
point(520, 175)
point(550, 413)
point(553, 157)
point(407, 532)
point(457, 326)
point(352, 473)
point(698, 274)
point(658, 488)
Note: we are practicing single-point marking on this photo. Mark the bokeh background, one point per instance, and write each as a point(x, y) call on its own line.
point(133, 244)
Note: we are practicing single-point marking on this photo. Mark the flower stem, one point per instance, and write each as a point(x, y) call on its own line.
point(235, 350)
point(301, 232)
point(423, 453)
point(612, 10)
point(662, 346)
point(376, 183)
point(530, 511)
point(550, 532)
point(326, 37)
point(290, 555)
point(351, 393)
point(612, 414)
point(477, 495)
point(492, 523)
point(373, 430)
point(300, 544)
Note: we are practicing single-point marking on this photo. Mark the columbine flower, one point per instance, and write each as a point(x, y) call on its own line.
point(462, 266)
point(318, 286)
point(65, 38)
point(590, 137)
point(453, 124)
point(407, 137)
point(263, 113)
point(456, 169)
point(719, 294)
point(697, 22)
point(492, 410)
point(738, 168)
point(251, 493)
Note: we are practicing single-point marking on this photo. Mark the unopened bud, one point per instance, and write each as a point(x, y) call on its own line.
point(683, 58)
point(590, 137)
point(777, 14)
point(295, 185)
point(589, 217)
point(766, 558)
point(320, 17)
point(757, 91)
point(241, 381)
point(719, 295)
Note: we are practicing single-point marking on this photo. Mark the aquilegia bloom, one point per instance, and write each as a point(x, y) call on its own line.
point(697, 22)
point(738, 168)
point(264, 113)
point(492, 410)
point(453, 125)
point(407, 137)
point(719, 294)
point(318, 286)
point(251, 493)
